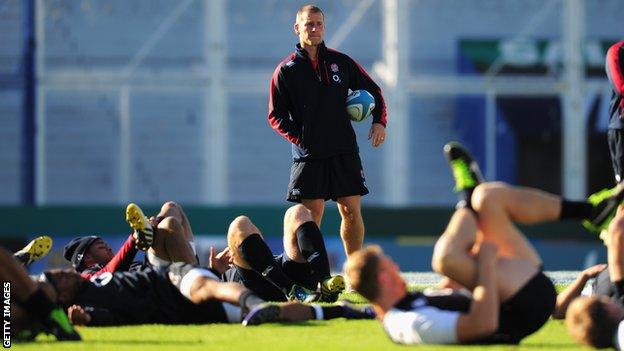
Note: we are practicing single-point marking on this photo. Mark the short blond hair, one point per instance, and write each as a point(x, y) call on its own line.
point(589, 323)
point(308, 8)
point(361, 269)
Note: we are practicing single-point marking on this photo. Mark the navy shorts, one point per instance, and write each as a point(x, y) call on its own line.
point(328, 178)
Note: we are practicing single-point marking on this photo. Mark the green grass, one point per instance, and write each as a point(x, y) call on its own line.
point(317, 335)
point(339, 335)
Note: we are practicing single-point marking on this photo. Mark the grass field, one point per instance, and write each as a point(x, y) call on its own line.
point(338, 334)
point(317, 335)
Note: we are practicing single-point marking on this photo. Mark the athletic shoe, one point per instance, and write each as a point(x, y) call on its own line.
point(352, 311)
point(59, 325)
point(35, 250)
point(465, 169)
point(141, 225)
point(331, 288)
point(605, 204)
point(263, 313)
point(301, 294)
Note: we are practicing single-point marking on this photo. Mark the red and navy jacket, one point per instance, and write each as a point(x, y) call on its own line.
point(614, 66)
point(307, 105)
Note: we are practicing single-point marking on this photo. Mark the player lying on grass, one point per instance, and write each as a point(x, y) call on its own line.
point(597, 321)
point(177, 294)
point(300, 273)
point(482, 250)
point(32, 308)
point(166, 238)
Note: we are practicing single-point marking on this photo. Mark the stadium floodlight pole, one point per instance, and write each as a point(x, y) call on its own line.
point(393, 71)
point(574, 140)
point(28, 106)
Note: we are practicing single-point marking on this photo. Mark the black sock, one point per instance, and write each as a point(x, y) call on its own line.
point(260, 258)
point(465, 201)
point(575, 209)
point(329, 312)
point(38, 305)
point(312, 247)
point(249, 300)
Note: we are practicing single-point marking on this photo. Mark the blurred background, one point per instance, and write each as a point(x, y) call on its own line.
point(114, 101)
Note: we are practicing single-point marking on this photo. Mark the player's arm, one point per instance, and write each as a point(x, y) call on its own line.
point(482, 320)
point(279, 117)
point(359, 79)
point(613, 66)
point(574, 290)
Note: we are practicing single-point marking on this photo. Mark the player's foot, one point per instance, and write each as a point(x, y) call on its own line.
point(264, 313)
point(301, 294)
point(352, 311)
point(331, 288)
point(59, 325)
point(35, 250)
point(605, 204)
point(141, 225)
point(466, 171)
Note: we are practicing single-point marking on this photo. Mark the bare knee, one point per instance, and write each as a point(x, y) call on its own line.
point(441, 256)
point(170, 205)
point(295, 216)
point(240, 228)
point(349, 212)
point(487, 195)
point(171, 226)
point(171, 208)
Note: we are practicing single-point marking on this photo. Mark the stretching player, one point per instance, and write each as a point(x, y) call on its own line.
point(167, 238)
point(296, 274)
point(482, 250)
point(32, 307)
point(177, 294)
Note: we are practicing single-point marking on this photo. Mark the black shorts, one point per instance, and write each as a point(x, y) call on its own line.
point(527, 311)
point(300, 273)
point(328, 178)
point(616, 148)
point(603, 286)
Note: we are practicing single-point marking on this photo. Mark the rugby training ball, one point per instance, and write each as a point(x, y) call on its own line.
point(360, 105)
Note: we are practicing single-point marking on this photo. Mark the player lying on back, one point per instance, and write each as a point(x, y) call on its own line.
point(300, 273)
point(166, 238)
point(177, 294)
point(482, 250)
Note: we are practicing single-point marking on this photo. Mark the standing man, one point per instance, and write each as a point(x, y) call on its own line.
point(614, 65)
point(307, 107)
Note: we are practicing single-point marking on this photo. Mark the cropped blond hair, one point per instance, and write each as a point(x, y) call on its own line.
point(361, 269)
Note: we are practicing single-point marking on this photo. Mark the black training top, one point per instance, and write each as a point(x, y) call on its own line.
point(141, 297)
point(307, 106)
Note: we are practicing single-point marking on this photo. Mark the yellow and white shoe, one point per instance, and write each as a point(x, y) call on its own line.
point(141, 225)
point(35, 250)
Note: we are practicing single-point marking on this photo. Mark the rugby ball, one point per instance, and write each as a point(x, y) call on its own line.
point(360, 105)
